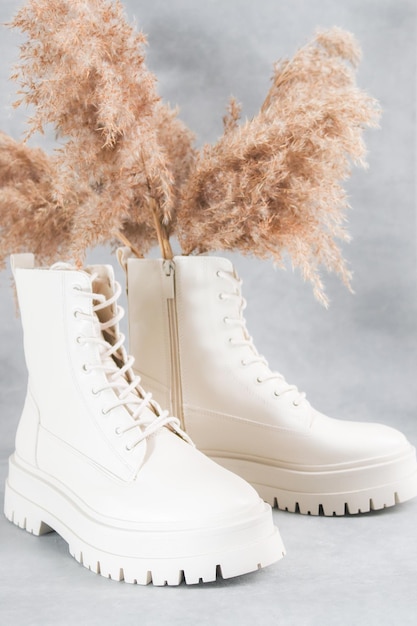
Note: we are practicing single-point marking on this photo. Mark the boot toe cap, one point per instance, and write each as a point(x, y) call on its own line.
point(341, 441)
point(178, 478)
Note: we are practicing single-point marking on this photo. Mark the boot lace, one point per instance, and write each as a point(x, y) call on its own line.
point(246, 340)
point(117, 367)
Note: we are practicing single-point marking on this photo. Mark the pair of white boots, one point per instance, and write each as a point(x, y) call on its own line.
point(98, 460)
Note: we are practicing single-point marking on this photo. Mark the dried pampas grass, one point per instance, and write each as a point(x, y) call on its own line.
point(126, 169)
point(271, 185)
point(82, 69)
point(30, 217)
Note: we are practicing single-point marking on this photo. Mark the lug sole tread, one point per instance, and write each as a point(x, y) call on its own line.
point(170, 571)
point(330, 505)
point(312, 498)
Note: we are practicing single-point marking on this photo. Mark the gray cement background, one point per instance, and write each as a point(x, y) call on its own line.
point(356, 361)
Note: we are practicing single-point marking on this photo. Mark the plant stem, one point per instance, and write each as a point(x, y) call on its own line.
point(127, 243)
point(163, 238)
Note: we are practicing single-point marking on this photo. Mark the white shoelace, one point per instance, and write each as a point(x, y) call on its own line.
point(121, 379)
point(247, 341)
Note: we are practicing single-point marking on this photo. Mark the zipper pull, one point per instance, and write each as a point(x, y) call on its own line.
point(168, 278)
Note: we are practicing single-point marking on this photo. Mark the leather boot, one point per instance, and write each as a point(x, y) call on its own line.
point(97, 459)
point(192, 347)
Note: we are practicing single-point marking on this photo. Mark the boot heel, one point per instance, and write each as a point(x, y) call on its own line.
point(24, 513)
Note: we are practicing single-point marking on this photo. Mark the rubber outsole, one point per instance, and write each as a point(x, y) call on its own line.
point(102, 548)
point(331, 493)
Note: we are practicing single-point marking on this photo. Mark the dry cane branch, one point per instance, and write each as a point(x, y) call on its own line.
point(163, 238)
point(125, 241)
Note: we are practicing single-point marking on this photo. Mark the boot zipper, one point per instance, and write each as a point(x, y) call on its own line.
point(176, 388)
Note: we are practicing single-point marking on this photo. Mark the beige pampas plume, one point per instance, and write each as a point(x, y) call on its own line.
point(82, 69)
point(271, 185)
point(30, 217)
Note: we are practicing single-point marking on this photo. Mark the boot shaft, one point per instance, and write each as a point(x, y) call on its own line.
point(150, 288)
point(205, 361)
point(66, 334)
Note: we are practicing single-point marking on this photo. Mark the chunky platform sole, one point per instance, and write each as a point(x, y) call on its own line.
point(331, 491)
point(138, 553)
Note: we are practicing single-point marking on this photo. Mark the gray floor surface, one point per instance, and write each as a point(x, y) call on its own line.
point(355, 361)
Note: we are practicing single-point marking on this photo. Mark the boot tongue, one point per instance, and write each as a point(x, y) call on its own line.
point(104, 284)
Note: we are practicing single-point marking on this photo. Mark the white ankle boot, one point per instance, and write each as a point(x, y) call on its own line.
point(98, 461)
point(192, 348)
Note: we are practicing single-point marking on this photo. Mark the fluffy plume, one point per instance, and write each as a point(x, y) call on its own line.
point(176, 140)
point(271, 185)
point(30, 217)
point(232, 117)
point(82, 69)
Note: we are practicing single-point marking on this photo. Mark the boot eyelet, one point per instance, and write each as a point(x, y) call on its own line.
point(77, 287)
point(276, 394)
point(218, 274)
point(96, 392)
point(259, 380)
point(243, 363)
point(128, 447)
point(77, 313)
point(104, 412)
point(117, 431)
point(80, 341)
point(296, 404)
point(86, 368)
point(226, 320)
point(221, 296)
